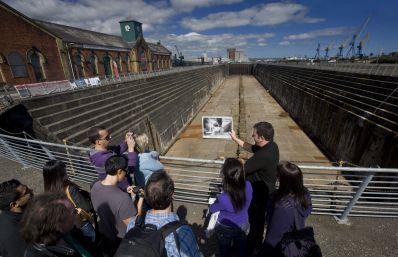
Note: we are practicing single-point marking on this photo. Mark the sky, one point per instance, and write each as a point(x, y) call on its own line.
point(261, 29)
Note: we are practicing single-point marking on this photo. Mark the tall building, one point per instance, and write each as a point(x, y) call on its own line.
point(34, 51)
point(231, 54)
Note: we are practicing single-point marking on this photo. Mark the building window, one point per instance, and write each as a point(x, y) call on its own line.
point(36, 59)
point(2, 60)
point(142, 59)
point(78, 63)
point(127, 58)
point(119, 63)
point(107, 65)
point(17, 65)
point(94, 64)
point(155, 62)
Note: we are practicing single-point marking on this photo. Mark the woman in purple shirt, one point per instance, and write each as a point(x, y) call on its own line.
point(233, 204)
point(291, 196)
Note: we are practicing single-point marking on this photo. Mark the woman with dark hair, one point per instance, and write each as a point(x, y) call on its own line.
point(233, 204)
point(290, 199)
point(56, 180)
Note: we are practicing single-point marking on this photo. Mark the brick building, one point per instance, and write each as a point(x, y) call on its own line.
point(33, 51)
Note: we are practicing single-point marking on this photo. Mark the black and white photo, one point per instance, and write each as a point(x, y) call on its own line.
point(216, 126)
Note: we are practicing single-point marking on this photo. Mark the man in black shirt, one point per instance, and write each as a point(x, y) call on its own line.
point(13, 198)
point(260, 170)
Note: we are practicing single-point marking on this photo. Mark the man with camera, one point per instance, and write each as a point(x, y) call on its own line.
point(114, 207)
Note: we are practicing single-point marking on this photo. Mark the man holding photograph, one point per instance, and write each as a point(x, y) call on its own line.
point(260, 171)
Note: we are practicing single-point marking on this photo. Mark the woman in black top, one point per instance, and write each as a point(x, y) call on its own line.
point(56, 180)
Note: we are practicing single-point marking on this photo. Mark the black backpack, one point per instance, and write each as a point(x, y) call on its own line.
point(145, 240)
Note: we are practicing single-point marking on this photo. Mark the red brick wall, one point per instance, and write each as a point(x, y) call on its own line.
point(20, 36)
point(86, 53)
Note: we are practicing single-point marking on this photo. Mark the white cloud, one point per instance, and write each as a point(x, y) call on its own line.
point(328, 32)
point(97, 15)
point(284, 43)
point(189, 5)
point(193, 44)
point(259, 15)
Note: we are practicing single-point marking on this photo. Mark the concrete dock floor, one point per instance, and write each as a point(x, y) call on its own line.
point(243, 98)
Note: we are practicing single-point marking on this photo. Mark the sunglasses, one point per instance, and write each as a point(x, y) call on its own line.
point(107, 138)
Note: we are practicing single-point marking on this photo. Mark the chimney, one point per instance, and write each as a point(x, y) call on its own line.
point(131, 30)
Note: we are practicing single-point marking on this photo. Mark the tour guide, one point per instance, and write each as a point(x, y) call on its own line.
point(260, 171)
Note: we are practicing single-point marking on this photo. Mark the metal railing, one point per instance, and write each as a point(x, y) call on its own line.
point(107, 80)
point(102, 81)
point(364, 68)
point(336, 191)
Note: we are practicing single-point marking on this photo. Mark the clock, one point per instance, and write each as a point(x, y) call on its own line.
point(127, 28)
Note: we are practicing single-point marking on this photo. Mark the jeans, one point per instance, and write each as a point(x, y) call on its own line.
point(231, 240)
point(88, 231)
point(257, 210)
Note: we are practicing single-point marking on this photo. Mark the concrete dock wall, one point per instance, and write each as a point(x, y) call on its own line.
point(352, 117)
point(240, 68)
point(159, 106)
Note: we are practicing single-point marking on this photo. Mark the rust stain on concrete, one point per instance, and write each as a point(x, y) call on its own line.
point(294, 127)
point(192, 131)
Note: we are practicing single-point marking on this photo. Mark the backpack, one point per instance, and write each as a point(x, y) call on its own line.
point(146, 240)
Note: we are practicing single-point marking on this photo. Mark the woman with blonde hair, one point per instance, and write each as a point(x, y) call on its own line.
point(148, 161)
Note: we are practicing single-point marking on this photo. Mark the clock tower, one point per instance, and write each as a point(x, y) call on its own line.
point(131, 30)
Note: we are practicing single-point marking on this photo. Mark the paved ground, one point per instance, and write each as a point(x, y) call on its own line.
point(365, 237)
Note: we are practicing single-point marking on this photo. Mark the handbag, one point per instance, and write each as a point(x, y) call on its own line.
point(299, 243)
point(82, 214)
point(211, 220)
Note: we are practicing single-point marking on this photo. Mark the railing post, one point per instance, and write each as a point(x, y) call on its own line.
point(16, 156)
point(343, 219)
point(69, 159)
point(392, 73)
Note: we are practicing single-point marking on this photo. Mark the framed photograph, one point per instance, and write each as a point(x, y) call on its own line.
point(216, 126)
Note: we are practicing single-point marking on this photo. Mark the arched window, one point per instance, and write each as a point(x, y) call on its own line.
point(107, 65)
point(2, 60)
point(78, 64)
point(155, 62)
point(142, 59)
point(17, 65)
point(119, 63)
point(94, 64)
point(127, 59)
point(36, 59)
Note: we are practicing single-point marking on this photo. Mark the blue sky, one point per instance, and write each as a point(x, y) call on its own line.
point(259, 28)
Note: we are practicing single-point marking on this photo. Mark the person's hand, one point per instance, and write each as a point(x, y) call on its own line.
point(129, 134)
point(232, 134)
point(132, 190)
point(130, 143)
point(129, 189)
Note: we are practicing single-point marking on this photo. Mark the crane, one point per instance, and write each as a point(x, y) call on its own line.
point(330, 46)
point(180, 56)
point(351, 50)
point(341, 47)
point(360, 45)
point(317, 55)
